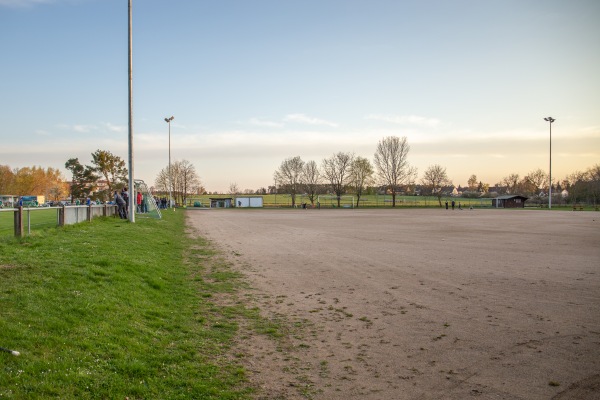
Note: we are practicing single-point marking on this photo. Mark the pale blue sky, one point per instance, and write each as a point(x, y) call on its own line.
point(251, 83)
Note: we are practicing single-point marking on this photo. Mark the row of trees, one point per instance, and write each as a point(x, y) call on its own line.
point(338, 174)
point(33, 181)
point(579, 186)
point(98, 180)
point(85, 181)
point(584, 186)
point(108, 173)
point(343, 172)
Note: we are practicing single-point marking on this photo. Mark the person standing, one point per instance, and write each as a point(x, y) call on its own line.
point(125, 196)
point(446, 204)
point(121, 205)
point(139, 201)
point(453, 204)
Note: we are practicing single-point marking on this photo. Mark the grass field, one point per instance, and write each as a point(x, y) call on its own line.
point(368, 201)
point(110, 309)
point(284, 200)
point(36, 218)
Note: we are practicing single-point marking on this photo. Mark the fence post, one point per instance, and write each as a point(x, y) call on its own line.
point(19, 221)
point(104, 210)
point(89, 216)
point(61, 216)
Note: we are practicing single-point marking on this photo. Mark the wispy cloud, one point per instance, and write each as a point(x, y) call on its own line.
point(23, 3)
point(104, 127)
point(414, 120)
point(84, 128)
point(305, 119)
point(265, 123)
point(115, 128)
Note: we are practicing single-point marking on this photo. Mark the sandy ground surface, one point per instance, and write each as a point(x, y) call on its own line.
point(420, 304)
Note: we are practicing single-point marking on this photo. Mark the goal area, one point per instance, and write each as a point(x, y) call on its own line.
point(332, 201)
point(148, 206)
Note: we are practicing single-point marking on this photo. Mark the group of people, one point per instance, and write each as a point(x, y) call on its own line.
point(162, 202)
point(453, 204)
point(122, 201)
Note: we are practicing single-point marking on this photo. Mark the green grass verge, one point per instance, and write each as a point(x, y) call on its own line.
point(372, 201)
point(36, 219)
point(110, 309)
point(366, 201)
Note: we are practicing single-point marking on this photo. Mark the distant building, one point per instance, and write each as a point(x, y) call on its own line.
point(221, 202)
point(254, 201)
point(8, 200)
point(509, 201)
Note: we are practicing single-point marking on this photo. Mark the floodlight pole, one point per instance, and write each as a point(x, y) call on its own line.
point(168, 121)
point(550, 121)
point(131, 210)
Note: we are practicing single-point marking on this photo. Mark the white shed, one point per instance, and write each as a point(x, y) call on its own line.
point(249, 201)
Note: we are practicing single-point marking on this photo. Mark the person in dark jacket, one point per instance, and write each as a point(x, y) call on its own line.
point(121, 205)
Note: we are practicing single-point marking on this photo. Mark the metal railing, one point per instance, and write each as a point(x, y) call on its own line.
point(26, 219)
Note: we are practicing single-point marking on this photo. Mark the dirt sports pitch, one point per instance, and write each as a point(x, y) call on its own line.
point(419, 304)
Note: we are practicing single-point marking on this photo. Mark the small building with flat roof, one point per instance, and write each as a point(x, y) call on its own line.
point(509, 201)
point(221, 202)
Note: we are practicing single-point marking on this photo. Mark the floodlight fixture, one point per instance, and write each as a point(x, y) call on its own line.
point(168, 121)
point(550, 120)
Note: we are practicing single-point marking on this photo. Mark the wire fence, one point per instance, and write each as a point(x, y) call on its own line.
point(25, 220)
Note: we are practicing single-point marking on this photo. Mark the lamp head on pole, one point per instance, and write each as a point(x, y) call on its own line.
point(549, 119)
point(167, 120)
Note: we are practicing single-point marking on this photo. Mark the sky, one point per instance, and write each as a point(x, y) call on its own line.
point(252, 83)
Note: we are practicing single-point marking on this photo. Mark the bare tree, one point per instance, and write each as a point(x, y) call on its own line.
point(435, 178)
point(311, 177)
point(233, 188)
point(483, 187)
point(361, 176)
point(392, 164)
point(337, 170)
point(584, 186)
point(184, 180)
point(593, 174)
point(527, 187)
point(188, 181)
point(472, 182)
point(161, 182)
point(575, 184)
point(289, 175)
point(511, 182)
point(538, 178)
